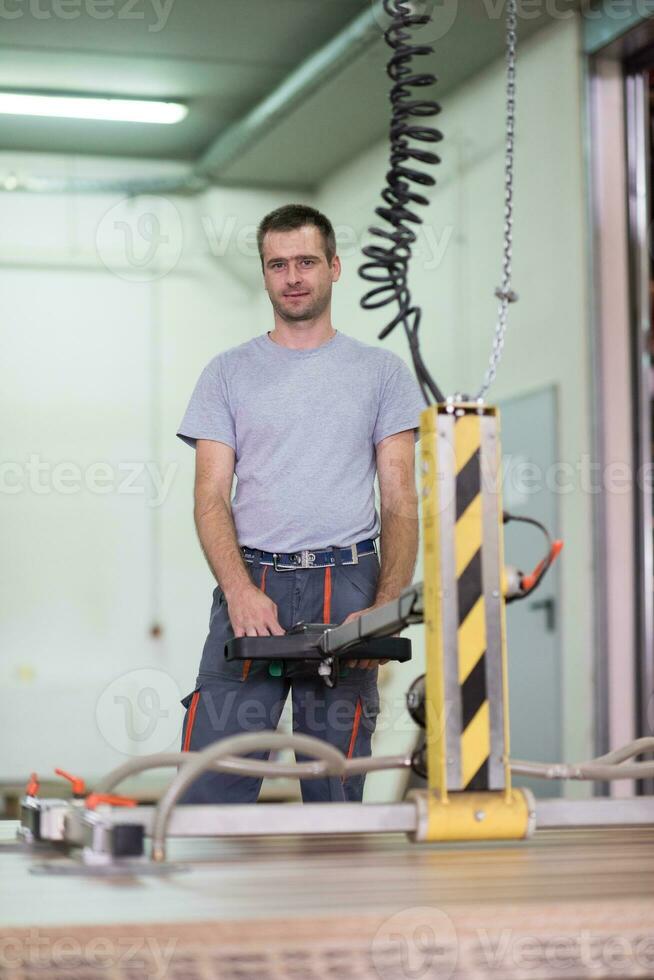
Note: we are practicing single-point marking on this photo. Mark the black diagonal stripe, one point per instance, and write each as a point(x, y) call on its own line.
point(469, 585)
point(468, 483)
point(473, 692)
point(480, 779)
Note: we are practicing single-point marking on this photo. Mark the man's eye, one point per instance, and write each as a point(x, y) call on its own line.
point(307, 261)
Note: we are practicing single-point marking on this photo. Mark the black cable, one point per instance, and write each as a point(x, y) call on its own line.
point(523, 519)
point(547, 561)
point(389, 263)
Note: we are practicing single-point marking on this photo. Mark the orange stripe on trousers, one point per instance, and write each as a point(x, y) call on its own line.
point(193, 707)
point(355, 730)
point(327, 595)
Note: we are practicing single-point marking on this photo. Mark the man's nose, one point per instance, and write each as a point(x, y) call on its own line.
point(293, 275)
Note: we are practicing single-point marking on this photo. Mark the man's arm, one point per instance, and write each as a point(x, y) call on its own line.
point(399, 521)
point(251, 612)
point(398, 514)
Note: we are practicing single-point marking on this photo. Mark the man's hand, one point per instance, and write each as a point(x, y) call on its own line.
point(252, 612)
point(369, 664)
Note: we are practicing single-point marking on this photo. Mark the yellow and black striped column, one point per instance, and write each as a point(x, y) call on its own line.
point(471, 618)
point(464, 608)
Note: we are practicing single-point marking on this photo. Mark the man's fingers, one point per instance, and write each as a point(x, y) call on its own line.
point(273, 623)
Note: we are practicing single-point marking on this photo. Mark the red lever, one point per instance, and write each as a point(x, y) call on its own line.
point(529, 581)
point(33, 785)
point(95, 799)
point(78, 786)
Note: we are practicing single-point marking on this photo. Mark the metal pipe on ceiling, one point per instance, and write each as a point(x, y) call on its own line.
point(319, 67)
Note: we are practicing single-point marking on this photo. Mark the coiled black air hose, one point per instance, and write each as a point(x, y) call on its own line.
point(389, 263)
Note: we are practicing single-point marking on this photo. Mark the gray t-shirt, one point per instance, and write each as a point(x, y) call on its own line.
point(304, 425)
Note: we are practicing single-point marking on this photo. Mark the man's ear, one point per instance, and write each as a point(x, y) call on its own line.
point(336, 268)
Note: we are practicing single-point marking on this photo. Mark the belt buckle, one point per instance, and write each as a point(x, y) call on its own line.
point(302, 559)
point(277, 567)
point(355, 555)
point(307, 559)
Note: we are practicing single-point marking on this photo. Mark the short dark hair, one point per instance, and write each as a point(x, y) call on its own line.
point(292, 216)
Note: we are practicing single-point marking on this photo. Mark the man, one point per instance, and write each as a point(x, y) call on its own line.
point(303, 415)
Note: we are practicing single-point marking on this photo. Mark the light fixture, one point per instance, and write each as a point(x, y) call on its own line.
point(83, 107)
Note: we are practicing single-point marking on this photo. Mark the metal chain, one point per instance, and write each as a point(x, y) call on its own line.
point(504, 292)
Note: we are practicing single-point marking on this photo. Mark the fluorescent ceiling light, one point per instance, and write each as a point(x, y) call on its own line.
point(81, 107)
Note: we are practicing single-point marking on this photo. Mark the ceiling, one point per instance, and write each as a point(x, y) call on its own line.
point(223, 57)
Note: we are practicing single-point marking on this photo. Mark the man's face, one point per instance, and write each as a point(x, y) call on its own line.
point(296, 274)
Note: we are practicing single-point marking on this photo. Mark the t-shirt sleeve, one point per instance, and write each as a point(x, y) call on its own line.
point(401, 403)
point(208, 415)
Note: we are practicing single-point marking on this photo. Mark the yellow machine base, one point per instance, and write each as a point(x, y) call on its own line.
point(474, 816)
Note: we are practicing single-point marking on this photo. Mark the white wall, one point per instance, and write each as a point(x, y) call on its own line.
point(109, 310)
point(453, 276)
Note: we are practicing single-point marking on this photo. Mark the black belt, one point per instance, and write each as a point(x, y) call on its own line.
point(311, 559)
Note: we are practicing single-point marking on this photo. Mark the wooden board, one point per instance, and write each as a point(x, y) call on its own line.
point(576, 903)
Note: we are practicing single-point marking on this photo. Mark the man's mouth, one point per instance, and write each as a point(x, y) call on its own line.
point(294, 295)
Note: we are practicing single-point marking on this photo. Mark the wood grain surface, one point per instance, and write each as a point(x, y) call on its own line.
point(569, 904)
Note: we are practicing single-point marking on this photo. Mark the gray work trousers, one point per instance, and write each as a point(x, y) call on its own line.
point(231, 697)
